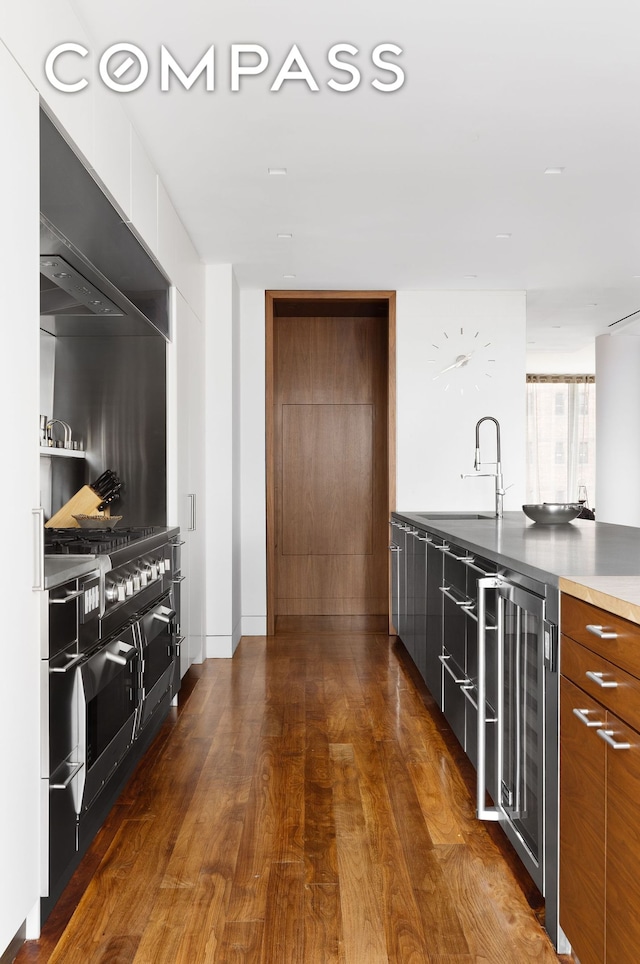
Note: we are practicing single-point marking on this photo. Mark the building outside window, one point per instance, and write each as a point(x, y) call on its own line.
point(561, 429)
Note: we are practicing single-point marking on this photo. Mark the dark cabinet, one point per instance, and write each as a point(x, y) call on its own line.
point(408, 546)
point(433, 619)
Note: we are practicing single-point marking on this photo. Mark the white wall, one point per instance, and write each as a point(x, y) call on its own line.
point(436, 428)
point(617, 429)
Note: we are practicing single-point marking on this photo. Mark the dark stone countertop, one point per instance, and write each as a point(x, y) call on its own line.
point(545, 552)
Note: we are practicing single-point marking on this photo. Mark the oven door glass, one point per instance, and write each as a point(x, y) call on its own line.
point(106, 688)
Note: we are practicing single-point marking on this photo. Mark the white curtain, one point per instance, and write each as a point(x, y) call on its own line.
point(561, 430)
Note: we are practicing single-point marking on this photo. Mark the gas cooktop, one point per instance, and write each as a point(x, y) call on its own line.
point(95, 541)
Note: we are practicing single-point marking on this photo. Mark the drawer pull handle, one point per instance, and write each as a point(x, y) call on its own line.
point(607, 736)
point(463, 680)
point(582, 716)
point(601, 632)
point(606, 684)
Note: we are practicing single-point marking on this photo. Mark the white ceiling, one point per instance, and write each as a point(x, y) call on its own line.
point(407, 189)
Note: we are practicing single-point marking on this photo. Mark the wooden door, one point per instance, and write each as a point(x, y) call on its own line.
point(330, 464)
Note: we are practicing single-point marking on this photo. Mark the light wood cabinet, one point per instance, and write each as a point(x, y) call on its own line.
point(599, 784)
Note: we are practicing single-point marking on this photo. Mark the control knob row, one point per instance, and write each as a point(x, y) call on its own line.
point(133, 583)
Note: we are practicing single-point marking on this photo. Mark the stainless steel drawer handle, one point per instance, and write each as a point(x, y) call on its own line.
point(395, 548)
point(76, 767)
point(471, 562)
point(73, 661)
point(461, 682)
point(464, 558)
point(443, 548)
point(178, 580)
point(605, 684)
point(425, 539)
point(584, 718)
point(463, 602)
point(601, 632)
point(608, 737)
point(166, 616)
point(66, 599)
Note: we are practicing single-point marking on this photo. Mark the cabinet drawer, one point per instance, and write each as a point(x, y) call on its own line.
point(576, 662)
point(623, 649)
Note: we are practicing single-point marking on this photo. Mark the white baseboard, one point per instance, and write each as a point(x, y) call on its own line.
point(254, 625)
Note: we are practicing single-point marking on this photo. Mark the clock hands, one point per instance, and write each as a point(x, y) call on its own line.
point(460, 362)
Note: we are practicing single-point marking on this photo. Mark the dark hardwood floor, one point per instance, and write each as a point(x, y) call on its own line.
point(305, 803)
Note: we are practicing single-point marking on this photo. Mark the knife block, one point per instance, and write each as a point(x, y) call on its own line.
point(84, 502)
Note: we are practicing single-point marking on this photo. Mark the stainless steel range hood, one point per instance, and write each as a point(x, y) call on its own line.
point(96, 277)
point(64, 291)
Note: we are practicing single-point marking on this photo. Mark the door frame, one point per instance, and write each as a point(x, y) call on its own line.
point(271, 297)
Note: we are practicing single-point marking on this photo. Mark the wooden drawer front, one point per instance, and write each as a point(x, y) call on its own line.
point(623, 846)
point(624, 650)
point(624, 699)
point(582, 824)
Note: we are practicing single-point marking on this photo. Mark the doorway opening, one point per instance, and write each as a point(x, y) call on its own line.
point(330, 459)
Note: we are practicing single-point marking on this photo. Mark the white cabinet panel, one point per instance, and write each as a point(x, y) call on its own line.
point(19, 390)
point(190, 475)
point(30, 35)
point(111, 146)
point(144, 194)
point(177, 255)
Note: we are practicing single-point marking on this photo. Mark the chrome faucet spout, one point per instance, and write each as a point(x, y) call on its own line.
point(497, 473)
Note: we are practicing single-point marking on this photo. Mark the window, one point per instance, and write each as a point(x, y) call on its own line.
point(560, 437)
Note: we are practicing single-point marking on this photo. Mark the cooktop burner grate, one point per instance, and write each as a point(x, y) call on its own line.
point(93, 541)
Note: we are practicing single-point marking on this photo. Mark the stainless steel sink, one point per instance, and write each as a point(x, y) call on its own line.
point(454, 516)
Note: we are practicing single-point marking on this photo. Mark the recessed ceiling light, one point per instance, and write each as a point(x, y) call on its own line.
point(288, 276)
point(554, 170)
point(285, 237)
point(277, 170)
point(503, 236)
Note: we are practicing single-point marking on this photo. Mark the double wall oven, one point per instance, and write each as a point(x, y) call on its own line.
point(111, 671)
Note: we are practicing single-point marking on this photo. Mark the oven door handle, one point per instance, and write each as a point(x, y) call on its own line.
point(120, 656)
point(165, 615)
point(72, 661)
point(75, 769)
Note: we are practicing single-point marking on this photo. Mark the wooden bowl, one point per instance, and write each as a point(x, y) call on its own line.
point(97, 521)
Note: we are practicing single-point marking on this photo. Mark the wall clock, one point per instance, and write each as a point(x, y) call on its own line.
point(462, 360)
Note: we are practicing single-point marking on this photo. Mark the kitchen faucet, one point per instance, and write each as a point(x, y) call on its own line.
point(477, 464)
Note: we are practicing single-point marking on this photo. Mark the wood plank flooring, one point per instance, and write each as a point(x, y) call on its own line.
point(306, 803)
